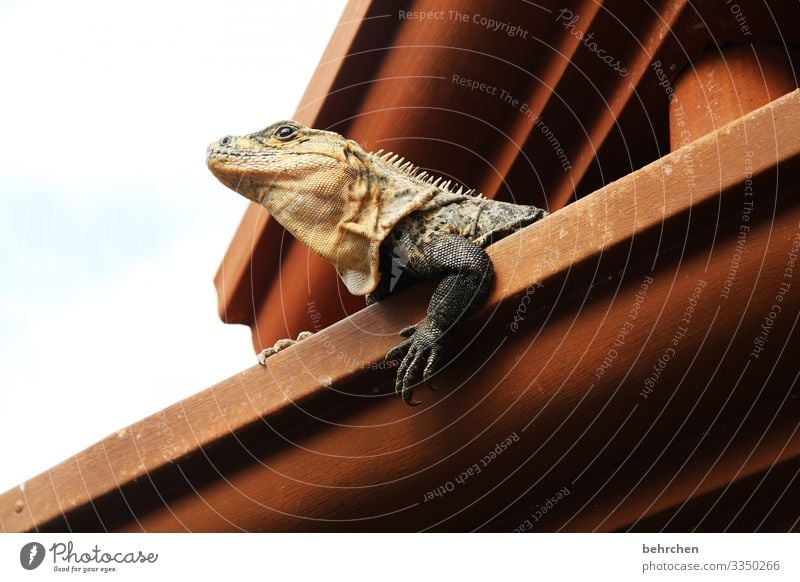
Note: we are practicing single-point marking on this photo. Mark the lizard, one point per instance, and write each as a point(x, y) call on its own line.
point(381, 221)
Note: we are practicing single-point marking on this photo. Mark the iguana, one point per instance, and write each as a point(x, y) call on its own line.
point(379, 220)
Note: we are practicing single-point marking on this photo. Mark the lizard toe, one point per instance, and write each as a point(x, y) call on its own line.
point(432, 365)
point(407, 383)
point(410, 372)
point(282, 344)
point(400, 383)
point(398, 353)
point(264, 354)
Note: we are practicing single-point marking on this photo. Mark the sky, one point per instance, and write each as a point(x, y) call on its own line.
point(111, 226)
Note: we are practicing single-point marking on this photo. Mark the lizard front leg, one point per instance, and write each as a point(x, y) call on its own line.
point(465, 273)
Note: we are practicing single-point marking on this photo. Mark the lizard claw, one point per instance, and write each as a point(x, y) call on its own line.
point(281, 344)
point(418, 356)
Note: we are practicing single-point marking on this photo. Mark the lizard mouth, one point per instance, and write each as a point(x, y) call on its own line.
point(229, 167)
point(215, 152)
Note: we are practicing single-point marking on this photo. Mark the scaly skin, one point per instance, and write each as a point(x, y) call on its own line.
point(381, 222)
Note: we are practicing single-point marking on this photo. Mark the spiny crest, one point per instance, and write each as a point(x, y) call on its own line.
point(406, 167)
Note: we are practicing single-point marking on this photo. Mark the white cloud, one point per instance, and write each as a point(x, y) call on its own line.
point(105, 102)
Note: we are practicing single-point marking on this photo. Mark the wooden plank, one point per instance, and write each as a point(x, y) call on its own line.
point(344, 358)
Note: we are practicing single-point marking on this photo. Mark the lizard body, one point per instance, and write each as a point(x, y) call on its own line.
point(379, 220)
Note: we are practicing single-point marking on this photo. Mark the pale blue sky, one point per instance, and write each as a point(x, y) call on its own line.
point(111, 227)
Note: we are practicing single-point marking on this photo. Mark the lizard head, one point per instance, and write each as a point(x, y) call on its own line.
point(285, 157)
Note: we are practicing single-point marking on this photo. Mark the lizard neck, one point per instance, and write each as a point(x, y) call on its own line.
point(378, 179)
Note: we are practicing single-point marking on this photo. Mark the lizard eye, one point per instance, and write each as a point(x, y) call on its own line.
point(285, 132)
point(226, 141)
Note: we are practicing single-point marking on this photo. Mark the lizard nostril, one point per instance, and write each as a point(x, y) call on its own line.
point(227, 140)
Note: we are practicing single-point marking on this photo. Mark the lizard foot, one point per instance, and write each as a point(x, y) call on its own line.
point(281, 344)
point(418, 356)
